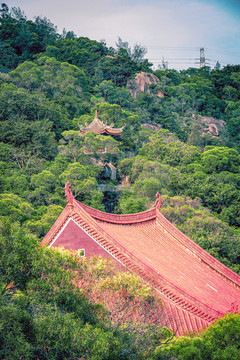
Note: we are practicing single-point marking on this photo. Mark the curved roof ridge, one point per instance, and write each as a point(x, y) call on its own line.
point(119, 218)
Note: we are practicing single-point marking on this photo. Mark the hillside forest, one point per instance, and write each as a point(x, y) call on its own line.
point(181, 138)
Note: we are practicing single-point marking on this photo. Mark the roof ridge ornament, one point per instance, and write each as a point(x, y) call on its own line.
point(68, 193)
point(158, 202)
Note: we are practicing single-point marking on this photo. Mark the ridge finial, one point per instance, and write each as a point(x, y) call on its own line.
point(158, 201)
point(68, 193)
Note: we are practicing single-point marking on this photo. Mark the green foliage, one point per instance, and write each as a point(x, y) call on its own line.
point(117, 68)
point(15, 182)
point(36, 320)
point(81, 177)
point(15, 329)
point(129, 204)
point(217, 159)
point(222, 338)
point(103, 147)
point(164, 147)
point(81, 52)
point(9, 58)
point(15, 208)
point(20, 38)
point(63, 83)
point(113, 94)
point(45, 178)
point(43, 225)
point(147, 187)
point(130, 282)
point(125, 166)
point(18, 254)
point(212, 176)
point(232, 118)
point(20, 124)
point(219, 342)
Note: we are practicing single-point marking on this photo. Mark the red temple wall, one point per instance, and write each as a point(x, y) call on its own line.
point(73, 237)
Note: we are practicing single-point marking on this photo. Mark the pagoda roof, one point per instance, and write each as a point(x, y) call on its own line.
point(194, 287)
point(98, 127)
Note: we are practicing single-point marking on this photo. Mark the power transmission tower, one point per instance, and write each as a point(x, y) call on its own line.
point(202, 58)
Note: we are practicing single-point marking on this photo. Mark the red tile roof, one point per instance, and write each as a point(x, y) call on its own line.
point(195, 288)
point(98, 127)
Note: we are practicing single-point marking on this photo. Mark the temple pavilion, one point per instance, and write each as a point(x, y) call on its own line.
point(194, 287)
point(98, 127)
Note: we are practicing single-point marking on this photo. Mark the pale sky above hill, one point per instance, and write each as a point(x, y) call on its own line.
point(173, 29)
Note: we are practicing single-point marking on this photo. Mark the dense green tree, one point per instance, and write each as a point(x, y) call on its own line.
point(165, 147)
point(30, 121)
point(81, 52)
point(114, 95)
point(216, 159)
point(84, 183)
point(71, 147)
point(129, 204)
point(9, 58)
point(15, 182)
point(137, 53)
point(170, 75)
point(41, 226)
point(16, 329)
point(222, 78)
point(63, 83)
point(220, 341)
point(15, 208)
point(17, 257)
point(147, 188)
point(232, 118)
point(23, 38)
point(119, 68)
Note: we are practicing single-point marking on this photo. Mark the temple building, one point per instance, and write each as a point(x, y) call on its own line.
point(98, 127)
point(194, 287)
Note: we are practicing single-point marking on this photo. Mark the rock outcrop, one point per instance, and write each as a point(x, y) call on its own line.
point(154, 127)
point(141, 83)
point(211, 125)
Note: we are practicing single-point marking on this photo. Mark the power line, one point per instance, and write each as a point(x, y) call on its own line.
point(187, 48)
point(172, 47)
point(224, 52)
point(201, 60)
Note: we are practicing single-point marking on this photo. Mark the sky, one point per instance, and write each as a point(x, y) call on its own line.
point(173, 30)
